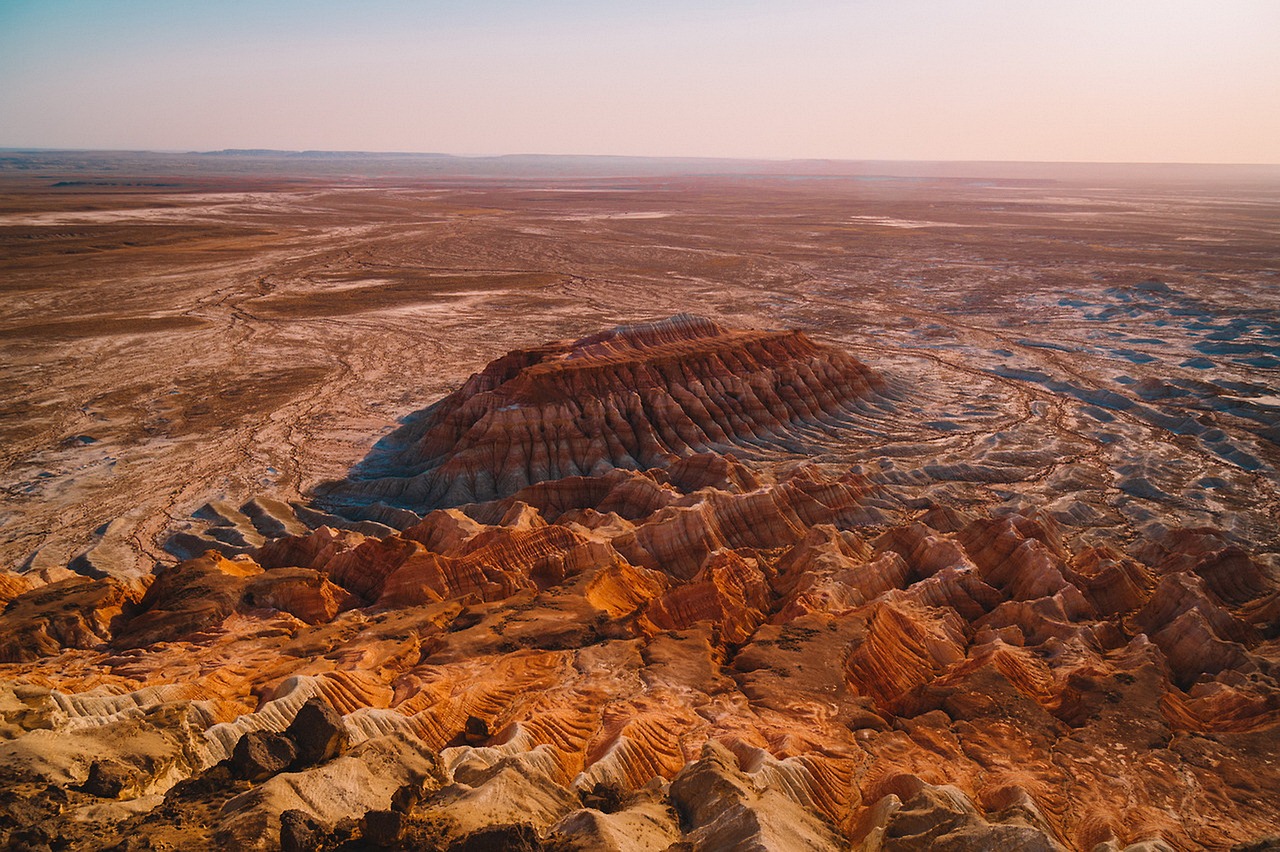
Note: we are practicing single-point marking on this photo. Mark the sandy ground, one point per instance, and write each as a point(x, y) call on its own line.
point(215, 339)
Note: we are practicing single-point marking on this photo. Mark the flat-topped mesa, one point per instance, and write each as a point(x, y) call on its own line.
point(633, 397)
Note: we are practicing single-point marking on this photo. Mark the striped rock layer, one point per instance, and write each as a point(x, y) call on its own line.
point(634, 397)
point(704, 654)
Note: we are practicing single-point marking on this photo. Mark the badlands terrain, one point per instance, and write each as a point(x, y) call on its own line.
point(423, 503)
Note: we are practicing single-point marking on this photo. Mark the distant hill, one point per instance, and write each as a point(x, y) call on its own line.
point(317, 164)
point(318, 155)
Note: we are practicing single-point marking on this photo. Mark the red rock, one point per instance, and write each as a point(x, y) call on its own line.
point(364, 569)
point(1194, 648)
point(945, 519)
point(904, 648)
point(634, 397)
point(1221, 707)
point(184, 600)
point(1037, 621)
point(924, 550)
point(1233, 576)
point(312, 550)
point(722, 472)
point(777, 645)
point(492, 565)
point(73, 613)
point(302, 592)
point(444, 530)
point(729, 592)
point(1009, 559)
point(1112, 581)
point(829, 571)
point(678, 539)
point(1176, 594)
point(1180, 548)
point(961, 590)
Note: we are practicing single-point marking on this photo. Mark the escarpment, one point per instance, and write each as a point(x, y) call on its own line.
point(692, 641)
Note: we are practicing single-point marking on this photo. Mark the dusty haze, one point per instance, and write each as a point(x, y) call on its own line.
point(1145, 80)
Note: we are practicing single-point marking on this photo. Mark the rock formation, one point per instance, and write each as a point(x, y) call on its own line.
point(634, 397)
point(643, 643)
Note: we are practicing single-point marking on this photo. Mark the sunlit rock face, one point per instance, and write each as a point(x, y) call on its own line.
point(674, 633)
point(634, 397)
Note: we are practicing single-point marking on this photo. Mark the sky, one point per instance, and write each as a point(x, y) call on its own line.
point(1040, 80)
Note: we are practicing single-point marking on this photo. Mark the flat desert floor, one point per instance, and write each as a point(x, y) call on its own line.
point(1108, 351)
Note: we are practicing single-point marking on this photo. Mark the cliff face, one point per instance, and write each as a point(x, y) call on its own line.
point(650, 644)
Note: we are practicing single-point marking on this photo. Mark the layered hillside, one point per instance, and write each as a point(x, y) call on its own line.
point(633, 397)
point(673, 647)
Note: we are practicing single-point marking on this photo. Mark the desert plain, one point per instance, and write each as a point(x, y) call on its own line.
point(1015, 584)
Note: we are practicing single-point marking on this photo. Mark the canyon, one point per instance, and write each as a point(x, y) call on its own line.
point(572, 511)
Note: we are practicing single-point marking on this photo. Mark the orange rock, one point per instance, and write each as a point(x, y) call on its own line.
point(313, 550)
point(302, 592)
point(187, 599)
point(494, 564)
point(730, 592)
point(1113, 582)
point(806, 666)
point(678, 539)
point(364, 569)
point(621, 589)
point(925, 551)
point(73, 613)
point(12, 585)
point(722, 472)
point(444, 530)
point(1020, 565)
point(829, 571)
point(904, 648)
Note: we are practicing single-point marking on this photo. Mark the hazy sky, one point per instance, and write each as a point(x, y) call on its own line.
point(1110, 80)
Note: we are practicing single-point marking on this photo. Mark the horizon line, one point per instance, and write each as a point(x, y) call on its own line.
point(513, 155)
